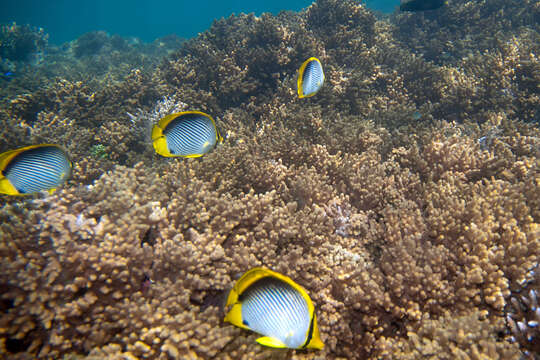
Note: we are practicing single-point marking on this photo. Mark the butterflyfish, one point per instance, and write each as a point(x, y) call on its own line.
point(420, 5)
point(274, 306)
point(187, 134)
point(310, 78)
point(33, 168)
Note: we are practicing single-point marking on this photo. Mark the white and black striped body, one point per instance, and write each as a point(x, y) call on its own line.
point(38, 169)
point(274, 308)
point(190, 134)
point(312, 78)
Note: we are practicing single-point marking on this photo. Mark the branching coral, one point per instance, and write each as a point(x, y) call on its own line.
point(241, 58)
point(21, 43)
point(523, 314)
point(452, 337)
point(464, 26)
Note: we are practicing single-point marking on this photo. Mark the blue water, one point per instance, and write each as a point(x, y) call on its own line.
point(65, 20)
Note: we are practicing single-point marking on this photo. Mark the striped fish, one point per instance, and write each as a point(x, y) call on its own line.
point(33, 168)
point(310, 78)
point(187, 134)
point(273, 305)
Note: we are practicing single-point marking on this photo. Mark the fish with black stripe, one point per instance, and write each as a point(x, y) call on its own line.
point(186, 134)
point(310, 78)
point(274, 306)
point(33, 168)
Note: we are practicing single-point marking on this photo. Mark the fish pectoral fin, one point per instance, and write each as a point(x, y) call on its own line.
point(270, 342)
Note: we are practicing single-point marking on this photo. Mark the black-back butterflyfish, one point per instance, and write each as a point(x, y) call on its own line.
point(310, 78)
point(274, 306)
point(33, 168)
point(187, 134)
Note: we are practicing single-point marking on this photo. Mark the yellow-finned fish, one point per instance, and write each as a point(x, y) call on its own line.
point(187, 134)
point(310, 78)
point(273, 305)
point(33, 168)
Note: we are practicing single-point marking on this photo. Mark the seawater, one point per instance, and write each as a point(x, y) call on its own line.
point(66, 20)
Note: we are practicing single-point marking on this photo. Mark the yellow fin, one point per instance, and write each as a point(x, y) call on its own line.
point(234, 316)
point(5, 158)
point(160, 145)
point(168, 118)
point(7, 188)
point(270, 342)
point(248, 279)
point(301, 76)
point(219, 137)
point(191, 156)
point(315, 341)
point(255, 274)
point(164, 121)
point(157, 132)
point(232, 298)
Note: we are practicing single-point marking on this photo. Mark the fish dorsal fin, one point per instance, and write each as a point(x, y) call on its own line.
point(270, 342)
point(167, 119)
point(255, 274)
point(8, 156)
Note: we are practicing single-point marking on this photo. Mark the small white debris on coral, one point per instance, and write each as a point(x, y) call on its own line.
point(158, 213)
point(340, 214)
point(144, 120)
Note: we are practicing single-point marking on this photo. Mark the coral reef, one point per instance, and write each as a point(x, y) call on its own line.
point(404, 196)
point(464, 27)
point(21, 42)
point(90, 43)
point(470, 336)
point(523, 314)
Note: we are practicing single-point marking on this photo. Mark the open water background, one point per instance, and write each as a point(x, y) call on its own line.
point(66, 20)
